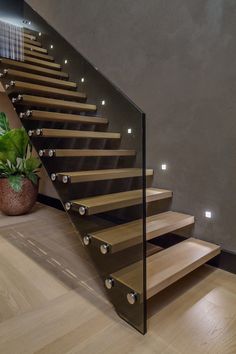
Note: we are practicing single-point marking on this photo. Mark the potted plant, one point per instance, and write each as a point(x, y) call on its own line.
point(18, 170)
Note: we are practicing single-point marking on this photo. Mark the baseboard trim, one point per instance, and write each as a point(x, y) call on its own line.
point(50, 201)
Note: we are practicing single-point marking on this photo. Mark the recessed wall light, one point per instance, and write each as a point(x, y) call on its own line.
point(103, 102)
point(208, 214)
point(163, 166)
point(129, 130)
point(29, 22)
point(40, 34)
point(82, 79)
point(51, 46)
point(65, 61)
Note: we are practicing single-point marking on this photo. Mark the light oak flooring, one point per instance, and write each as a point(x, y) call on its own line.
point(52, 303)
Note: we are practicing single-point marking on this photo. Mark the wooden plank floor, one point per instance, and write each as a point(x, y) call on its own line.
point(51, 303)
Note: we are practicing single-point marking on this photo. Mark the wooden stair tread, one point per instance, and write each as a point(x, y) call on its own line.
point(130, 234)
point(56, 103)
point(26, 87)
point(166, 267)
point(63, 133)
point(63, 117)
point(87, 152)
point(41, 62)
point(50, 81)
point(29, 36)
point(35, 54)
point(32, 68)
point(33, 42)
point(102, 203)
point(98, 175)
point(34, 48)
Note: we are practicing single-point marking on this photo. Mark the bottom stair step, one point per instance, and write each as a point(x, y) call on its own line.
point(164, 268)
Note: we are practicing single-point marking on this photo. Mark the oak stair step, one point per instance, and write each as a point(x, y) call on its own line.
point(34, 48)
point(84, 152)
point(107, 202)
point(63, 133)
point(164, 268)
point(120, 237)
point(21, 87)
point(32, 68)
point(31, 60)
point(50, 81)
point(62, 117)
point(99, 175)
point(35, 54)
point(53, 103)
point(33, 42)
point(29, 36)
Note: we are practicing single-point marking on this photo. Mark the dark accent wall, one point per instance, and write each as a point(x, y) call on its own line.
point(177, 61)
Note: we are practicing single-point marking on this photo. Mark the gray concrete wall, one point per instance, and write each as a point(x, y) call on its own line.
point(177, 61)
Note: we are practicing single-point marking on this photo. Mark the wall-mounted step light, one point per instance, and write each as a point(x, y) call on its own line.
point(208, 214)
point(163, 166)
point(103, 102)
point(65, 61)
point(40, 34)
point(51, 46)
point(82, 79)
point(129, 131)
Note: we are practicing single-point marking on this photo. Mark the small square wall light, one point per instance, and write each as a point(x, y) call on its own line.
point(103, 102)
point(66, 61)
point(51, 46)
point(208, 214)
point(82, 79)
point(40, 34)
point(163, 166)
point(129, 131)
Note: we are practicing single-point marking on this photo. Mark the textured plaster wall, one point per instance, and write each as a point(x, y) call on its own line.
point(177, 61)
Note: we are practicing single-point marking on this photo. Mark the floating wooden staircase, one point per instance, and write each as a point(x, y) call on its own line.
point(43, 95)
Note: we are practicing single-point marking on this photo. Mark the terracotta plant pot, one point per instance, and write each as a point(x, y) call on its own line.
point(17, 203)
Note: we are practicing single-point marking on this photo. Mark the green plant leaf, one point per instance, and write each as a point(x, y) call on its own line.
point(13, 144)
point(4, 124)
point(33, 177)
point(15, 182)
point(32, 164)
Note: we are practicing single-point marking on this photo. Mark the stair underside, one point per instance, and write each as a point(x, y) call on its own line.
point(85, 152)
point(56, 104)
point(130, 234)
point(102, 203)
point(21, 87)
point(41, 62)
point(6, 63)
point(63, 117)
point(50, 81)
point(62, 133)
point(98, 175)
point(166, 267)
point(35, 54)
